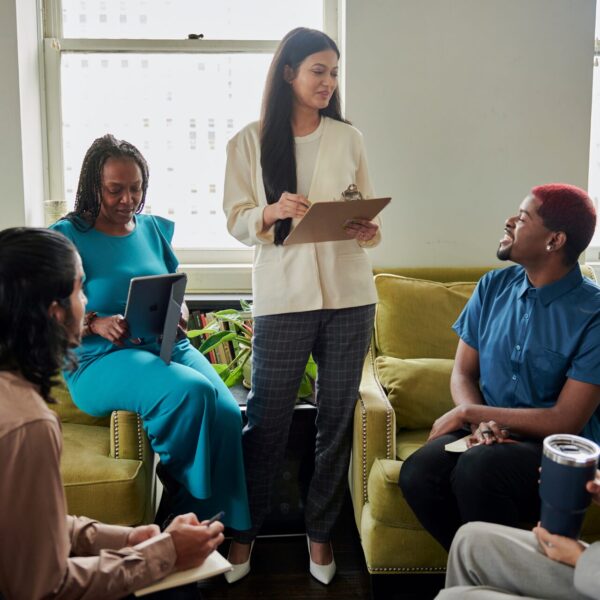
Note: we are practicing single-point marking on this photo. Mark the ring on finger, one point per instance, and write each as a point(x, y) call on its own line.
point(549, 544)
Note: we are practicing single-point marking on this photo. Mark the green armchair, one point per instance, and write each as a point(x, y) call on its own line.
point(404, 388)
point(107, 464)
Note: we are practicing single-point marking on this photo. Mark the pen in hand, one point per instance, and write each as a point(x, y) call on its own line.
point(218, 517)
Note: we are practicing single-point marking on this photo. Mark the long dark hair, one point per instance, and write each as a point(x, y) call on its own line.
point(37, 267)
point(89, 188)
point(277, 150)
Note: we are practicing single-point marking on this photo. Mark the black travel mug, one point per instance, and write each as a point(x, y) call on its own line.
point(568, 463)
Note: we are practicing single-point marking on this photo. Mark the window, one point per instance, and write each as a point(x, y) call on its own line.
point(128, 68)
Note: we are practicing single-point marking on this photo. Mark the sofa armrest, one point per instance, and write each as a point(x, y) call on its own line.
point(374, 433)
point(129, 441)
point(127, 437)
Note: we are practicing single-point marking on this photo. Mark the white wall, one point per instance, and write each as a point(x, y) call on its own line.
point(465, 105)
point(21, 165)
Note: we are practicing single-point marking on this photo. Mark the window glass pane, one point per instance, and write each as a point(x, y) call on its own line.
point(179, 110)
point(175, 19)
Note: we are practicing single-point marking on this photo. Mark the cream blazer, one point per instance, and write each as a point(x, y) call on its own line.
point(289, 278)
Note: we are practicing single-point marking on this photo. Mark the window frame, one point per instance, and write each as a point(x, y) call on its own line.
point(213, 271)
point(592, 252)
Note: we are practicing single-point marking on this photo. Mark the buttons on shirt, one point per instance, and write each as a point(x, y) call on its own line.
point(526, 316)
point(517, 347)
point(514, 377)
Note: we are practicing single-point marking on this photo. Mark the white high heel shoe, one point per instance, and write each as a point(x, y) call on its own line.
point(322, 573)
point(241, 570)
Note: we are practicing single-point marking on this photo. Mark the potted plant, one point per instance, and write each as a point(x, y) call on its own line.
point(235, 328)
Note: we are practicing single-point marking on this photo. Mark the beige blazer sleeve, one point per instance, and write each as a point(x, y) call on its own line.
point(243, 201)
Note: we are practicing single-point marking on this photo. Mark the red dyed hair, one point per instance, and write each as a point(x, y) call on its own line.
point(569, 209)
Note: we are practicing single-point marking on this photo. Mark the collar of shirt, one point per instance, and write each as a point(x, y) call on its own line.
point(549, 293)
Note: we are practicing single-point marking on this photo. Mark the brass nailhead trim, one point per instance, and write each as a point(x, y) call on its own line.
point(363, 416)
point(140, 439)
point(388, 424)
point(406, 570)
point(116, 432)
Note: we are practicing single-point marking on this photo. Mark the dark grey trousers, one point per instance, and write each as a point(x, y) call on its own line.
point(282, 344)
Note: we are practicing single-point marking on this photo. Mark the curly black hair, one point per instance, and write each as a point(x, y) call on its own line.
point(89, 188)
point(37, 267)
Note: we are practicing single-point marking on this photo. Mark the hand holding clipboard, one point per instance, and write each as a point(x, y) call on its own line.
point(327, 221)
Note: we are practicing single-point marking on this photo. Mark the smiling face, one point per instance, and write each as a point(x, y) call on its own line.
point(526, 238)
point(121, 193)
point(315, 80)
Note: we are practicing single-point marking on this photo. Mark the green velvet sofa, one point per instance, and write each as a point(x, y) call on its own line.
point(107, 464)
point(404, 388)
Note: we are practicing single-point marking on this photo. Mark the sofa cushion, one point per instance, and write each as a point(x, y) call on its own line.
point(409, 441)
point(96, 485)
point(415, 316)
point(417, 388)
point(386, 501)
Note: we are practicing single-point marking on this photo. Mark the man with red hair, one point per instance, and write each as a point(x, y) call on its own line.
point(527, 366)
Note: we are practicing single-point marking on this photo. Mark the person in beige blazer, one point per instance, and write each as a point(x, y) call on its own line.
point(314, 298)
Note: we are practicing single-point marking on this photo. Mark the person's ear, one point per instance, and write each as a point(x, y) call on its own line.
point(556, 241)
point(288, 73)
point(56, 312)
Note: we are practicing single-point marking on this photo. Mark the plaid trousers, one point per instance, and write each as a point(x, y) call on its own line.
point(338, 340)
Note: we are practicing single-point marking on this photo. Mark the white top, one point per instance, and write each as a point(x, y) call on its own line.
point(300, 277)
point(307, 148)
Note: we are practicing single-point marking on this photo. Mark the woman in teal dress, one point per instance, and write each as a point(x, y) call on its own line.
point(192, 420)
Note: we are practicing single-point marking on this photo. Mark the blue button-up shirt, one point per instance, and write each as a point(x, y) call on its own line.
point(530, 340)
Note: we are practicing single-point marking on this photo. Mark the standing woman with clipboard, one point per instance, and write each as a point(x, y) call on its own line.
point(314, 298)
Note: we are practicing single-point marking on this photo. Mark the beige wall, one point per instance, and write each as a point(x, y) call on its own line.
point(465, 105)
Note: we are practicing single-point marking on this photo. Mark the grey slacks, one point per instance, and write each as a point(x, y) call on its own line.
point(281, 346)
point(494, 562)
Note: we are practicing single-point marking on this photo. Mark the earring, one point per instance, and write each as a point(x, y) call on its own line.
point(549, 247)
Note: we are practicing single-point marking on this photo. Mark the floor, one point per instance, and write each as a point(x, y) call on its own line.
point(280, 571)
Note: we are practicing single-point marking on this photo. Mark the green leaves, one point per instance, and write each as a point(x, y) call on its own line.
point(216, 339)
point(235, 327)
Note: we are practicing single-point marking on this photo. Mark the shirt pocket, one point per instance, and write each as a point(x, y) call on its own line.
point(548, 373)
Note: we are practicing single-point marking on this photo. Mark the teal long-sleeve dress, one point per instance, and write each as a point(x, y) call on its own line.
point(192, 420)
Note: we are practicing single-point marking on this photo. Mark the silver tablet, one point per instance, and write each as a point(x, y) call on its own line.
point(154, 307)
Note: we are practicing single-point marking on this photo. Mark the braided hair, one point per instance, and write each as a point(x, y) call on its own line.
point(89, 188)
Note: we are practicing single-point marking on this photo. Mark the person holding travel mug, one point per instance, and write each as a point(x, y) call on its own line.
point(314, 298)
point(493, 562)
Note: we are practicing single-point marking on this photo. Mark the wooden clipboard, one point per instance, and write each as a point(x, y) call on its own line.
point(324, 221)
